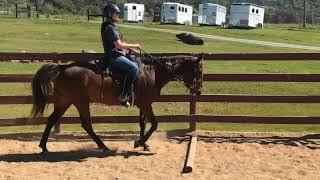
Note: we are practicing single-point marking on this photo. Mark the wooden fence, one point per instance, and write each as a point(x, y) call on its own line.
point(94, 15)
point(193, 117)
point(28, 10)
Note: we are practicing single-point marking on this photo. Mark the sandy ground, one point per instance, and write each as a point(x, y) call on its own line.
point(219, 156)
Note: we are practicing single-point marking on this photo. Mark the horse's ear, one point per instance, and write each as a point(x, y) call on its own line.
point(200, 58)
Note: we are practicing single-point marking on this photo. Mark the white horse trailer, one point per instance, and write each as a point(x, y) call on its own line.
point(176, 13)
point(246, 15)
point(212, 14)
point(133, 12)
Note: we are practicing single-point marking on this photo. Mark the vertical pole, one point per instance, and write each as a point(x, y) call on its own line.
point(29, 11)
point(16, 10)
point(88, 12)
point(304, 13)
point(312, 15)
point(37, 9)
point(193, 110)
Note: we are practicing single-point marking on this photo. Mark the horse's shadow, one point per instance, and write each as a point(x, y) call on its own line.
point(311, 141)
point(76, 156)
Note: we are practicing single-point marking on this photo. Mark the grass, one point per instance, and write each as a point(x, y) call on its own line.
point(289, 33)
point(73, 36)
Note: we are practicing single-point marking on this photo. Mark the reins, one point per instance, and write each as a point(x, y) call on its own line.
point(176, 77)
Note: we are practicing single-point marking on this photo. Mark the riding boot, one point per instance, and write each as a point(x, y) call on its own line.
point(125, 96)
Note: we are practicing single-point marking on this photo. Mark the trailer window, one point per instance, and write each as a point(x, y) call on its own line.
point(185, 10)
point(134, 7)
point(257, 11)
point(172, 7)
point(253, 10)
point(179, 8)
point(182, 9)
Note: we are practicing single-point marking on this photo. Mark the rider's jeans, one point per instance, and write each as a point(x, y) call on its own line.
point(129, 68)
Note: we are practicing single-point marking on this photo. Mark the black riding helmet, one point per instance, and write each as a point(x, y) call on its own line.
point(110, 9)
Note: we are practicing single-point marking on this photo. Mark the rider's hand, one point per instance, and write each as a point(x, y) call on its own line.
point(137, 46)
point(134, 52)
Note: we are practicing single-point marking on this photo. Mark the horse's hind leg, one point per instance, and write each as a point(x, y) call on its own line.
point(59, 110)
point(84, 112)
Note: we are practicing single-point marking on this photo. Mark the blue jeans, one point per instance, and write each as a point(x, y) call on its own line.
point(128, 68)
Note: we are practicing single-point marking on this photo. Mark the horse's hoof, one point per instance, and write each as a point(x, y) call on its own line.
point(146, 147)
point(137, 144)
point(44, 152)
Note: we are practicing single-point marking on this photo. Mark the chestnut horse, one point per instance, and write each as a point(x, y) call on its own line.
point(79, 84)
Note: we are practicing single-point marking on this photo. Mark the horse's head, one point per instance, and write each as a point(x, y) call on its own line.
point(189, 71)
point(186, 69)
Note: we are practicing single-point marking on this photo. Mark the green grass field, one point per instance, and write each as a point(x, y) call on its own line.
point(288, 33)
point(73, 36)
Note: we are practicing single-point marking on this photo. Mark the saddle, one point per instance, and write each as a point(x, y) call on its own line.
point(106, 70)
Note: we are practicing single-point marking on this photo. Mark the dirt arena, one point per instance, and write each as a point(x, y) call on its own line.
point(219, 156)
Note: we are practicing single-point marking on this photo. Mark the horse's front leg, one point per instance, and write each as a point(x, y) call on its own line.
point(154, 125)
point(142, 124)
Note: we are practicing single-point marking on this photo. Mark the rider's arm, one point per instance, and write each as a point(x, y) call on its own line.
point(122, 45)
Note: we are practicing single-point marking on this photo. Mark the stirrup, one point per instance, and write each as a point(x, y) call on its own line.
point(124, 100)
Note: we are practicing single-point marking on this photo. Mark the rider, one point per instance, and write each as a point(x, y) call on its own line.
point(114, 51)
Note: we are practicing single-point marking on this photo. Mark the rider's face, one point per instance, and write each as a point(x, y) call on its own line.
point(115, 17)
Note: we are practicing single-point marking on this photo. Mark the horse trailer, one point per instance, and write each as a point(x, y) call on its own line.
point(246, 15)
point(212, 14)
point(133, 12)
point(176, 13)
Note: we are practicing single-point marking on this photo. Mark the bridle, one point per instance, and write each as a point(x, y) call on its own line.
point(171, 70)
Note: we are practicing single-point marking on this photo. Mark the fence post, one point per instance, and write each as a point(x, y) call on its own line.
point(193, 110)
point(37, 9)
point(88, 12)
point(29, 11)
point(16, 5)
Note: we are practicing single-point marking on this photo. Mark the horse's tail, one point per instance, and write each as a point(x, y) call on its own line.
point(42, 87)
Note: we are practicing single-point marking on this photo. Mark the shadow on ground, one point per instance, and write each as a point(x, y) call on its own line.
point(77, 156)
point(311, 141)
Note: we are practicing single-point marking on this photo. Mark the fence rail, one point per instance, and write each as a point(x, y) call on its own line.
point(65, 57)
point(5, 78)
point(202, 98)
point(171, 119)
point(193, 117)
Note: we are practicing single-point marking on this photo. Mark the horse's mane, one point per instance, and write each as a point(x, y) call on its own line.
point(176, 59)
point(151, 62)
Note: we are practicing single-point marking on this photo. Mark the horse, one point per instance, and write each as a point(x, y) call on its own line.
point(79, 83)
point(190, 39)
